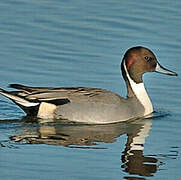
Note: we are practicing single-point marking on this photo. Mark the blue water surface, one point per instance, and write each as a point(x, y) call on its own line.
point(81, 43)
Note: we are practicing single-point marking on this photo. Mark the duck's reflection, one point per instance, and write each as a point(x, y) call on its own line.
point(86, 136)
point(134, 162)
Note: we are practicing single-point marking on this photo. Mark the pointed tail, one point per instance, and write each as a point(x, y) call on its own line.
point(21, 101)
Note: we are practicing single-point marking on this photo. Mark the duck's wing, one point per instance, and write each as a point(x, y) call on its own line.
point(31, 97)
point(71, 94)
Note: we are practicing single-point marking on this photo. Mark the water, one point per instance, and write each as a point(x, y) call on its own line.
point(80, 43)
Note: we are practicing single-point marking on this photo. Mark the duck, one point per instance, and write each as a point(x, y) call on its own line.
point(94, 105)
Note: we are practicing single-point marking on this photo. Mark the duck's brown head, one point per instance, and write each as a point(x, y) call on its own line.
point(139, 60)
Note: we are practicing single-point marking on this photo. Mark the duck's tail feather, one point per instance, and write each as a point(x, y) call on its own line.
point(20, 101)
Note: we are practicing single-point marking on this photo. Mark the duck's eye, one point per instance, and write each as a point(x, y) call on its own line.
point(148, 58)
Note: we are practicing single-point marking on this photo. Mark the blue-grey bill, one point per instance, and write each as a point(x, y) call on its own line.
point(161, 69)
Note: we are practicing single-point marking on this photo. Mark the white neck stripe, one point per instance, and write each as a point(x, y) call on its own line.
point(140, 92)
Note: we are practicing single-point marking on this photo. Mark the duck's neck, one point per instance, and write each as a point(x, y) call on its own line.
point(137, 90)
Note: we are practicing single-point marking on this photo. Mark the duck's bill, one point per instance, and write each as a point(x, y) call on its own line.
point(161, 69)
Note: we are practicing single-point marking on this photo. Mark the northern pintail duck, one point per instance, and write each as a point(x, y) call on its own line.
point(93, 105)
